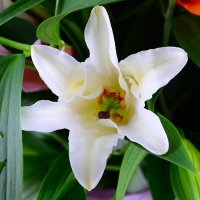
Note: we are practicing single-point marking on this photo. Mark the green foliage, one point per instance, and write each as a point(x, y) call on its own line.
point(16, 8)
point(157, 172)
point(48, 31)
point(11, 71)
point(177, 153)
point(19, 30)
point(186, 29)
point(1, 134)
point(59, 180)
point(39, 152)
point(132, 158)
point(2, 165)
point(186, 184)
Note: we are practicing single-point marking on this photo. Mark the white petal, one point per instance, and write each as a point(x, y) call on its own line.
point(100, 41)
point(154, 68)
point(146, 129)
point(99, 36)
point(46, 116)
point(88, 153)
point(60, 71)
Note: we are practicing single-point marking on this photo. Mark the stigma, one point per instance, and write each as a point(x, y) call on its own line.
point(104, 115)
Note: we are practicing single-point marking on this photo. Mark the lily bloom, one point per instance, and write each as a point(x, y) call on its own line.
point(192, 6)
point(101, 100)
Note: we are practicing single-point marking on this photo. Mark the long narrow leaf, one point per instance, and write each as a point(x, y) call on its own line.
point(186, 184)
point(157, 171)
point(11, 71)
point(188, 38)
point(58, 180)
point(16, 8)
point(132, 158)
point(177, 153)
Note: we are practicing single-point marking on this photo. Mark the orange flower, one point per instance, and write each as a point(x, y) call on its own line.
point(192, 6)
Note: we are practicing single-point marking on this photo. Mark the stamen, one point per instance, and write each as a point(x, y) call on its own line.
point(113, 104)
point(117, 117)
point(104, 115)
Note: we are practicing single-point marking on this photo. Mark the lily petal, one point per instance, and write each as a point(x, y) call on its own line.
point(60, 71)
point(46, 116)
point(99, 37)
point(152, 69)
point(146, 129)
point(88, 153)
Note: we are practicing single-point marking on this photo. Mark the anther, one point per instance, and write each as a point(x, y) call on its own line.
point(117, 117)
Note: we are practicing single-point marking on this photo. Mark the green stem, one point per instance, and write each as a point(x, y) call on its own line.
point(164, 105)
point(20, 46)
point(165, 42)
point(113, 168)
point(167, 24)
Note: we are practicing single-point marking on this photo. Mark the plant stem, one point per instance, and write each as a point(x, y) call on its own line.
point(165, 42)
point(167, 24)
point(113, 168)
point(20, 46)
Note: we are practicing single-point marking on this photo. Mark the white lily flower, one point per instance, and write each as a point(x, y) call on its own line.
point(101, 100)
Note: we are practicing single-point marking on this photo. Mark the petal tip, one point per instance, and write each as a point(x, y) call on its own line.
point(163, 148)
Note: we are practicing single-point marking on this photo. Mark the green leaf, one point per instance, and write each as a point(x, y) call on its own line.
point(71, 5)
point(186, 184)
point(186, 29)
point(177, 153)
point(158, 176)
point(19, 30)
point(2, 165)
point(39, 148)
point(75, 36)
point(132, 158)
point(11, 72)
point(76, 192)
point(58, 180)
point(48, 31)
point(16, 8)
point(1, 134)
point(152, 101)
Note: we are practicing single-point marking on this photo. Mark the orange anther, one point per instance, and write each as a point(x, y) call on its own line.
point(122, 104)
point(116, 117)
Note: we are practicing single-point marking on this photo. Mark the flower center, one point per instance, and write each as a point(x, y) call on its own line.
point(112, 105)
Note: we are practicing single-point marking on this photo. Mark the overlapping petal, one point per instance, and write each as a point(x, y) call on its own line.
point(152, 69)
point(88, 153)
point(103, 62)
point(60, 71)
point(46, 116)
point(146, 129)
